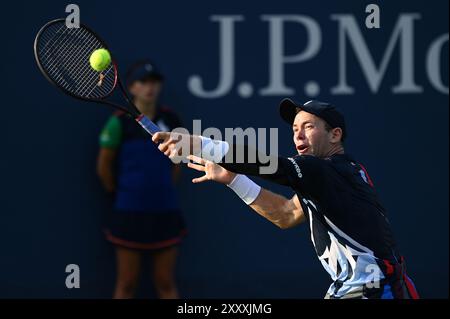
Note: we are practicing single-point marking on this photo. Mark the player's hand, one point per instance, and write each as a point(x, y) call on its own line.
point(213, 171)
point(174, 144)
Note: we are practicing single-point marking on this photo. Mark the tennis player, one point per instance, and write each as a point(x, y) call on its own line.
point(131, 168)
point(333, 193)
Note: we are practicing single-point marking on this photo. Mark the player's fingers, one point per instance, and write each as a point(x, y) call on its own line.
point(166, 145)
point(163, 147)
point(169, 143)
point(159, 136)
point(202, 179)
point(210, 166)
point(173, 153)
point(196, 159)
point(155, 137)
point(179, 149)
point(197, 167)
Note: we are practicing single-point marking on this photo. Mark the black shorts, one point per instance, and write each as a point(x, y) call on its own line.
point(145, 231)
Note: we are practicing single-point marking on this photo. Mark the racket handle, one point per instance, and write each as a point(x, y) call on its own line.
point(147, 124)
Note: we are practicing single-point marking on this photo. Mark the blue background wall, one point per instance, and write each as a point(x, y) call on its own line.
point(51, 203)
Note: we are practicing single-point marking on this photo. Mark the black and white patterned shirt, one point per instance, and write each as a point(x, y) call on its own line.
point(349, 228)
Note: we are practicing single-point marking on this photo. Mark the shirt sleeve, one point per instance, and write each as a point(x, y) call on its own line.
point(111, 134)
point(303, 173)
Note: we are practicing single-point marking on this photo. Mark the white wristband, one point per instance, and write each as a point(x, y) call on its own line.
point(245, 188)
point(213, 150)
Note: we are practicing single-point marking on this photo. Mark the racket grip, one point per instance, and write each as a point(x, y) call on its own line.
point(147, 124)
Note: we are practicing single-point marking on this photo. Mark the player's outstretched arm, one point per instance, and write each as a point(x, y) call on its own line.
point(283, 212)
point(174, 145)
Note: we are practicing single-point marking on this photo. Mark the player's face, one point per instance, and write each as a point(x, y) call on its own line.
point(310, 135)
point(146, 91)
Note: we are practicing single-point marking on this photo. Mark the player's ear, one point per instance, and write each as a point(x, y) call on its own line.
point(336, 135)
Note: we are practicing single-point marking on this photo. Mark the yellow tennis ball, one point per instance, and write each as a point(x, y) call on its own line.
point(100, 60)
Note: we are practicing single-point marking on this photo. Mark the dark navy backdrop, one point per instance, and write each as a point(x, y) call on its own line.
point(52, 205)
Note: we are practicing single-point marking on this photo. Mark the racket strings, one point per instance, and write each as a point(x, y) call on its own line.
point(86, 74)
point(64, 64)
point(64, 55)
point(49, 40)
point(68, 62)
point(69, 46)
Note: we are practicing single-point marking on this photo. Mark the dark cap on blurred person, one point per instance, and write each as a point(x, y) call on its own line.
point(143, 70)
point(326, 111)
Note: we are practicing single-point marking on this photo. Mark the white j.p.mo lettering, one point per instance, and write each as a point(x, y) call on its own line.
point(353, 40)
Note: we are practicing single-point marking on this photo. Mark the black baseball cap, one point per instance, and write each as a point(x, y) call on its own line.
point(326, 111)
point(143, 70)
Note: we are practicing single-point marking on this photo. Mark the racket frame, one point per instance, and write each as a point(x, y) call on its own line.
point(117, 82)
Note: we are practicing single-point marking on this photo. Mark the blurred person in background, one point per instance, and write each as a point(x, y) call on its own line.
point(146, 218)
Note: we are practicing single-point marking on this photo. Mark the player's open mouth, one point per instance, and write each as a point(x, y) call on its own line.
point(302, 148)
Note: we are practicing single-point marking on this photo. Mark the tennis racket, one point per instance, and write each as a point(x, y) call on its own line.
point(62, 55)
